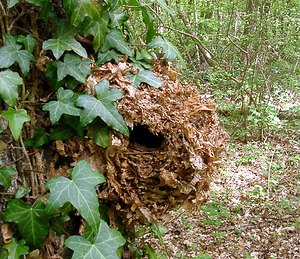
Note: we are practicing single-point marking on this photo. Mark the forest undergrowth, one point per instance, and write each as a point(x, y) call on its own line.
point(253, 207)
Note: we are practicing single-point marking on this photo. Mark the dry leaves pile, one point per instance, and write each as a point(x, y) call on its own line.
point(174, 145)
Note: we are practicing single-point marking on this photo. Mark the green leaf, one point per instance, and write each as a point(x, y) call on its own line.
point(145, 76)
point(22, 191)
point(16, 119)
point(114, 40)
point(32, 222)
point(99, 30)
point(39, 139)
point(99, 133)
point(12, 53)
point(170, 51)
point(103, 57)
point(29, 41)
point(63, 43)
point(9, 82)
point(102, 107)
point(118, 19)
point(85, 8)
point(105, 245)
point(63, 105)
point(163, 4)
point(149, 22)
point(11, 3)
point(16, 249)
point(6, 173)
point(80, 192)
point(74, 66)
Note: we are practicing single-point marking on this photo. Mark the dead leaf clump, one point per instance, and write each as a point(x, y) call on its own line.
point(174, 145)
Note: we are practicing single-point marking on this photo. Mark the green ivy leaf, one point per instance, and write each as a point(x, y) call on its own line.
point(39, 139)
point(170, 51)
point(22, 191)
point(99, 30)
point(16, 119)
point(63, 105)
point(9, 82)
point(6, 173)
point(103, 57)
point(29, 41)
point(64, 42)
point(16, 249)
point(32, 222)
point(118, 19)
point(114, 40)
point(145, 76)
point(85, 8)
point(99, 133)
point(102, 107)
point(74, 66)
point(11, 3)
point(12, 53)
point(105, 245)
point(80, 192)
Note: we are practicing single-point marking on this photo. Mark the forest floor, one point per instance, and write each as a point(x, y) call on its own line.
point(253, 210)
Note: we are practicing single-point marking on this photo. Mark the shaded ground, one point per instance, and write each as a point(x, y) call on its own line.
point(253, 210)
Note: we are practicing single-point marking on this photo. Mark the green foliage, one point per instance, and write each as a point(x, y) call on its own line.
point(64, 42)
point(115, 40)
point(80, 192)
point(14, 249)
point(170, 51)
point(16, 119)
point(63, 105)
point(103, 107)
point(74, 66)
point(32, 222)
point(9, 82)
point(55, 59)
point(12, 53)
point(145, 76)
point(104, 245)
point(6, 173)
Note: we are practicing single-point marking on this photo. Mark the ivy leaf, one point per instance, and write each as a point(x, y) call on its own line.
point(102, 107)
point(74, 66)
point(99, 30)
point(103, 57)
point(63, 105)
point(170, 51)
point(29, 41)
point(32, 222)
point(99, 133)
point(16, 249)
point(6, 173)
point(80, 192)
point(11, 3)
point(114, 40)
point(16, 119)
point(105, 245)
point(64, 42)
point(145, 76)
point(85, 8)
point(12, 53)
point(39, 139)
point(9, 82)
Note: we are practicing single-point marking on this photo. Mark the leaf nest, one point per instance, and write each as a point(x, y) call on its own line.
point(174, 146)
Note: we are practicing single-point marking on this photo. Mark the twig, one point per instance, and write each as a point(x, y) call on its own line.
point(269, 174)
point(32, 180)
point(3, 11)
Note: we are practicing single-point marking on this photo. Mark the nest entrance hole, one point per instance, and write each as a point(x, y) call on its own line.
point(140, 134)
